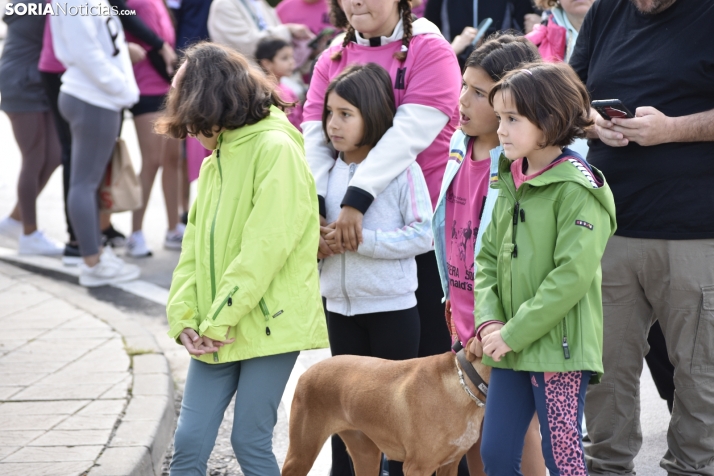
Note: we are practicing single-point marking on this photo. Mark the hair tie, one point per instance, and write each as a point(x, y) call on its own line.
point(404, 48)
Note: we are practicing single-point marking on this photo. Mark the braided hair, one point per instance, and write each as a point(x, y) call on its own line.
point(339, 19)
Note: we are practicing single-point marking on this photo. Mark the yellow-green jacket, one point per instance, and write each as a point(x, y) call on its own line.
point(248, 266)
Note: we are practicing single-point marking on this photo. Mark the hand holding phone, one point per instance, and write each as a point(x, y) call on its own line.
point(325, 33)
point(609, 108)
point(482, 29)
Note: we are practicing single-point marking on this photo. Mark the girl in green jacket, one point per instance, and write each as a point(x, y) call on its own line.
point(538, 306)
point(245, 295)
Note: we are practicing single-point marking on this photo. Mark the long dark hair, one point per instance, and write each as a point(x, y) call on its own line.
point(219, 89)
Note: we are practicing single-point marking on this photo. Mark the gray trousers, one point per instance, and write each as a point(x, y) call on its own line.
point(94, 134)
point(258, 385)
point(671, 281)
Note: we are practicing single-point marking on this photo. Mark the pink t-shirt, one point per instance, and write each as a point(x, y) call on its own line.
point(48, 61)
point(156, 17)
point(430, 76)
point(294, 113)
point(465, 199)
point(315, 16)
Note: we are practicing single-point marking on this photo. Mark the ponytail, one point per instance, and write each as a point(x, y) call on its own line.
point(405, 7)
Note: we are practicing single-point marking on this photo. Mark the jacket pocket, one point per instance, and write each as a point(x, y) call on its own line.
point(227, 301)
point(703, 353)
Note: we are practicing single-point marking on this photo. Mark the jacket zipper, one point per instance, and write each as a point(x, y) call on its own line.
point(566, 348)
point(266, 315)
point(228, 300)
point(211, 240)
point(343, 278)
point(516, 209)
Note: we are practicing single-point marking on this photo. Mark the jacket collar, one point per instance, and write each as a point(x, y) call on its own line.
point(421, 26)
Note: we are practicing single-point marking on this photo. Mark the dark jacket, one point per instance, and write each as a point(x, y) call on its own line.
point(506, 14)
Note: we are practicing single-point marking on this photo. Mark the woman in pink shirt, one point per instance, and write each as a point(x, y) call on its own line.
point(156, 151)
point(314, 14)
point(426, 80)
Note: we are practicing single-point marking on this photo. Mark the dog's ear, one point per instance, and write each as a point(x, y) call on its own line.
point(469, 356)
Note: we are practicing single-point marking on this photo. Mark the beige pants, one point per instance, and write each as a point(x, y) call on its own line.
point(671, 281)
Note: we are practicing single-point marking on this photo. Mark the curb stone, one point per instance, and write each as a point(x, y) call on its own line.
point(143, 433)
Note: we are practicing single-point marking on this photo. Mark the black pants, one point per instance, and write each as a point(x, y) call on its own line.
point(661, 368)
point(52, 83)
point(388, 335)
point(435, 338)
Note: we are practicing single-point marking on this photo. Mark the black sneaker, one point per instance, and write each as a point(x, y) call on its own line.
point(184, 218)
point(71, 256)
point(113, 238)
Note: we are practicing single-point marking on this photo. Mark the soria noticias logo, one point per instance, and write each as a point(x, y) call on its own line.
point(64, 9)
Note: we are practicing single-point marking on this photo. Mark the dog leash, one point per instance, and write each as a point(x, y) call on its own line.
point(463, 363)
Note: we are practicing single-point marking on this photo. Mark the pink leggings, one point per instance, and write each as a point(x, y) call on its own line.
point(36, 137)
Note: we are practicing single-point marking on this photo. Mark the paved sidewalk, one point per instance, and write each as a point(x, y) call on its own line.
point(83, 388)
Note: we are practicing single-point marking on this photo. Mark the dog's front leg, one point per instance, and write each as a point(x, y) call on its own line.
point(366, 456)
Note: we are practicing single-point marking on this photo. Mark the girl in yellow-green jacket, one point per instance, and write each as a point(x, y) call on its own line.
point(245, 295)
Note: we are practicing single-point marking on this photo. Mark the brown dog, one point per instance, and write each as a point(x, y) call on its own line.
point(415, 411)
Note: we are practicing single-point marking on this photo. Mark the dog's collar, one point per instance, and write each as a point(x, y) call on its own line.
point(474, 377)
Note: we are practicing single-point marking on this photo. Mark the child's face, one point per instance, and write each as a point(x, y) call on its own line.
point(477, 117)
point(209, 143)
point(345, 126)
point(283, 63)
point(519, 136)
point(371, 17)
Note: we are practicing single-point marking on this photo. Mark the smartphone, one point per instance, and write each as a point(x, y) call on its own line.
point(482, 29)
point(315, 41)
point(609, 108)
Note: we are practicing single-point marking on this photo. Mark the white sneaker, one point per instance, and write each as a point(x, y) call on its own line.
point(10, 228)
point(175, 237)
point(109, 270)
point(38, 244)
point(136, 245)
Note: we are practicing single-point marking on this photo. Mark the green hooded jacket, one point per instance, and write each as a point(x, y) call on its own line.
point(248, 266)
point(539, 269)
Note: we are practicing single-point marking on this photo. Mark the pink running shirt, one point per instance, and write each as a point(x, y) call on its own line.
point(428, 77)
point(465, 199)
point(48, 61)
point(316, 16)
point(156, 17)
point(294, 113)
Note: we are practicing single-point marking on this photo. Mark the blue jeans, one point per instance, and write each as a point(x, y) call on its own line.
point(513, 396)
point(258, 385)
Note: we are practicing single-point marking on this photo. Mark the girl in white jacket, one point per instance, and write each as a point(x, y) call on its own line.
point(98, 84)
point(371, 305)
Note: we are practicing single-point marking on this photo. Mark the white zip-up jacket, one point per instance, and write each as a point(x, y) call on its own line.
point(93, 49)
point(381, 276)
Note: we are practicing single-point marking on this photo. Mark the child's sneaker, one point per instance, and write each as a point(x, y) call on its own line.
point(136, 245)
point(38, 244)
point(71, 255)
point(113, 238)
point(175, 237)
point(109, 270)
point(10, 228)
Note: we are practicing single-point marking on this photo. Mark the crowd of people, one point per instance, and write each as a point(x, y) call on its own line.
point(451, 184)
